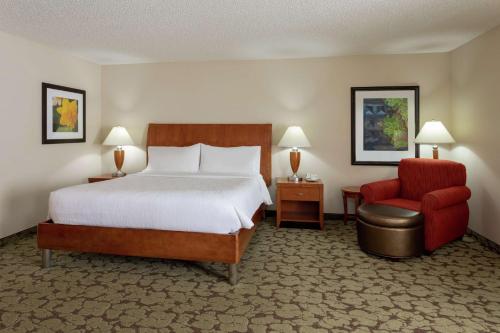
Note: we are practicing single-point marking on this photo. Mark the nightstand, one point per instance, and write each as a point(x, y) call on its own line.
point(299, 202)
point(100, 178)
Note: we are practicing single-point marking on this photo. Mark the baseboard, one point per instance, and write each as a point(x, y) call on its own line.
point(327, 216)
point(484, 241)
point(22, 233)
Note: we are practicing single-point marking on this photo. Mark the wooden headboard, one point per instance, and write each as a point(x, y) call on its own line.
point(221, 135)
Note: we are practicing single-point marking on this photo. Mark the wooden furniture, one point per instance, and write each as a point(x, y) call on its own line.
point(299, 202)
point(351, 192)
point(100, 178)
point(196, 246)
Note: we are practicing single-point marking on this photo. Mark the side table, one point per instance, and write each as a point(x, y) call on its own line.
point(351, 192)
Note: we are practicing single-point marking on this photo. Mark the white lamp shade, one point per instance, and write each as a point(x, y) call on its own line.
point(294, 137)
point(434, 132)
point(118, 136)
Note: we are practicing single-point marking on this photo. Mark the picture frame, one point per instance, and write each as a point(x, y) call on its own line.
point(63, 114)
point(384, 124)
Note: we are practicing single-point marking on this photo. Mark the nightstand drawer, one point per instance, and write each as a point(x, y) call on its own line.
point(300, 194)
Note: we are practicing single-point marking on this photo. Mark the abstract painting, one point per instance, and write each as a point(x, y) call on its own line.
point(384, 121)
point(63, 114)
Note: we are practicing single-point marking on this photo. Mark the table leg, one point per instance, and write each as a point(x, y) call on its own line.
point(345, 208)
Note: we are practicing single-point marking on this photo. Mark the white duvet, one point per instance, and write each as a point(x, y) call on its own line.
point(219, 204)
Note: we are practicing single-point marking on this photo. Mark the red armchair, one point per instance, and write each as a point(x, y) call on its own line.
point(435, 188)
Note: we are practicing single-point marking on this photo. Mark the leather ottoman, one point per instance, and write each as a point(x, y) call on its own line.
point(389, 231)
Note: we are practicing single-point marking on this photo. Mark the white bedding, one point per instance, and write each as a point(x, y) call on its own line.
point(219, 204)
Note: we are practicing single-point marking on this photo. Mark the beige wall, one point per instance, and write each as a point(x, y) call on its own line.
point(460, 88)
point(28, 169)
point(475, 125)
point(312, 93)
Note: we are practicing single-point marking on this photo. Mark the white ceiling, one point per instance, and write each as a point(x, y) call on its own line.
point(128, 31)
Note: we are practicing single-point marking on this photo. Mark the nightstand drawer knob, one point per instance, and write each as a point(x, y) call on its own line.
point(300, 193)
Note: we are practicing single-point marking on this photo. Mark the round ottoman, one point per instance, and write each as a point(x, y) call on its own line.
point(390, 231)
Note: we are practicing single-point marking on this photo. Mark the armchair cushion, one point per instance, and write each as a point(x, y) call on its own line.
point(445, 197)
point(381, 190)
point(402, 203)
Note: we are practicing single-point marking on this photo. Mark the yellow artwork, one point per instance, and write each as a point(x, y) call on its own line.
point(65, 114)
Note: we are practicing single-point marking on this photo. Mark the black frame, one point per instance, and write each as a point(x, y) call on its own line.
point(46, 86)
point(416, 90)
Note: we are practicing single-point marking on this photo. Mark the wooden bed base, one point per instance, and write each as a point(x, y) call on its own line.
point(192, 246)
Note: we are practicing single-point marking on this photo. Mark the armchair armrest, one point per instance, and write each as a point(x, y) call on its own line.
point(445, 197)
point(381, 190)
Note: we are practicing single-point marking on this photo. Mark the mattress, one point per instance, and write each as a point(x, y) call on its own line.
point(208, 203)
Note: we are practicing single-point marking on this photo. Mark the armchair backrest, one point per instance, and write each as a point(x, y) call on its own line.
point(419, 176)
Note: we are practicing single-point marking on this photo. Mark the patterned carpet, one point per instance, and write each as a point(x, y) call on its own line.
point(292, 280)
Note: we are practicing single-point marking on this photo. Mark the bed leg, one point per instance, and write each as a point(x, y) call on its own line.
point(46, 254)
point(233, 274)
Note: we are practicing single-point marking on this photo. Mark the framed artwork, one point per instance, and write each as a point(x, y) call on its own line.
point(384, 124)
point(63, 114)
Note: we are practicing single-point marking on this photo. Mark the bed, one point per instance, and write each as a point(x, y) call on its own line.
point(135, 209)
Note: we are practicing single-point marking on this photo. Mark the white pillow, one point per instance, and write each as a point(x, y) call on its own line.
point(174, 159)
point(243, 160)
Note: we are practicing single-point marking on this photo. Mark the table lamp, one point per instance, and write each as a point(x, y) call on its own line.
point(434, 132)
point(294, 138)
point(119, 137)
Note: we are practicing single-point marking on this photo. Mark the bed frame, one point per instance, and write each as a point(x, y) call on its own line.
point(193, 246)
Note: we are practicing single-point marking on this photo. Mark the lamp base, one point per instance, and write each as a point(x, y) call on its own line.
point(294, 178)
point(119, 155)
point(118, 173)
point(294, 163)
point(435, 152)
